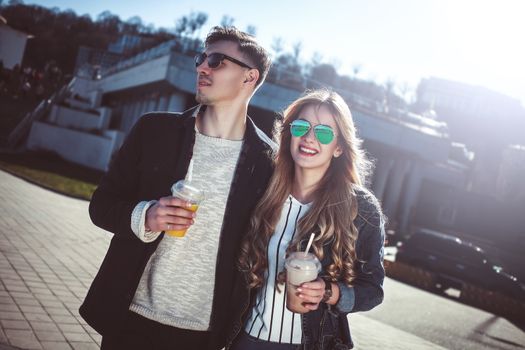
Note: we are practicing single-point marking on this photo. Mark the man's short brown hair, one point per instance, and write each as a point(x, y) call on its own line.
point(248, 46)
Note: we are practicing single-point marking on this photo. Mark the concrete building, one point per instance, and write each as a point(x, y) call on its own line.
point(510, 184)
point(411, 152)
point(12, 45)
point(485, 120)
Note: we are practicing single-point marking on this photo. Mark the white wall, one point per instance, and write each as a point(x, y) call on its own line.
point(90, 150)
point(12, 46)
point(142, 74)
point(78, 119)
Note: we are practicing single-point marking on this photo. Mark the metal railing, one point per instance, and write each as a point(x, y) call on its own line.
point(279, 75)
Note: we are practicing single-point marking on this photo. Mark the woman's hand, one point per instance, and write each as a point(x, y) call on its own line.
point(312, 293)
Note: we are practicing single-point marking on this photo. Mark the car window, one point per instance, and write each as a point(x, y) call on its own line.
point(472, 256)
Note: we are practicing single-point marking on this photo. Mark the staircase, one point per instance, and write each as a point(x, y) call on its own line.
point(73, 125)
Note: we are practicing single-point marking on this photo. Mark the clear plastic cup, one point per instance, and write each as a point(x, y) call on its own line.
point(300, 268)
point(185, 190)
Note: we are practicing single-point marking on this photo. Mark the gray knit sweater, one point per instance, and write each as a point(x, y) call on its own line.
point(177, 286)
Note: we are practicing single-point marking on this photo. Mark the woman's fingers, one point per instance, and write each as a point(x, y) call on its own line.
point(312, 293)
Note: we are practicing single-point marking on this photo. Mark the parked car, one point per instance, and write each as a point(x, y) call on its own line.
point(456, 262)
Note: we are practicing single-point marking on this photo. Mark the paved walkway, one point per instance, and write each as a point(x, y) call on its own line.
point(50, 252)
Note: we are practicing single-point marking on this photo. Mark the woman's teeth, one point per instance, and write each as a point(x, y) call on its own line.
point(307, 150)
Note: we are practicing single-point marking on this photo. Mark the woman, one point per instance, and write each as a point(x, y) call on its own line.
point(316, 188)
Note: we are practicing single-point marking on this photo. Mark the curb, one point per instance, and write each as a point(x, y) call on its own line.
point(491, 301)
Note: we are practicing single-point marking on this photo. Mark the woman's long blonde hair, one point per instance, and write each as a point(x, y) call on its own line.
point(334, 207)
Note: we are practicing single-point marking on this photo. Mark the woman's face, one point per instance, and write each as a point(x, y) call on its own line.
point(307, 152)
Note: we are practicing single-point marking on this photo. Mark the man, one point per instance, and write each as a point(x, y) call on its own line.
point(155, 291)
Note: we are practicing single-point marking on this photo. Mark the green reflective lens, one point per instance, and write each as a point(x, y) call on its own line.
point(324, 134)
point(299, 127)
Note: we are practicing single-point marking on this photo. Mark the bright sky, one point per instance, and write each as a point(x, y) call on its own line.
point(480, 42)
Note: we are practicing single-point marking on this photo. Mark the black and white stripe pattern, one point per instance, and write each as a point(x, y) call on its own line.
point(270, 320)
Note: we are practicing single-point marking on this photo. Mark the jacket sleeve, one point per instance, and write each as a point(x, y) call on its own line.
point(115, 198)
point(366, 291)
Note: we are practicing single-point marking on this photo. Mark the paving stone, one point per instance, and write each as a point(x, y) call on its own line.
point(32, 309)
point(52, 304)
point(37, 317)
point(41, 291)
point(64, 319)
point(15, 324)
point(71, 328)
point(44, 326)
point(21, 294)
point(23, 339)
point(58, 311)
point(46, 297)
point(9, 308)
point(53, 345)
point(6, 299)
point(78, 337)
point(49, 335)
point(27, 301)
point(84, 346)
point(3, 338)
point(11, 316)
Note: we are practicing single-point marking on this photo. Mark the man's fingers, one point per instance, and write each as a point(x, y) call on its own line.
point(177, 220)
point(174, 202)
point(173, 227)
point(178, 212)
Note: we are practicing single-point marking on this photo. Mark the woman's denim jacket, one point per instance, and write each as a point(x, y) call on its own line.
point(327, 327)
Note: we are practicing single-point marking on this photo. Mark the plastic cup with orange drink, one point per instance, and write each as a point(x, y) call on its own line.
point(185, 190)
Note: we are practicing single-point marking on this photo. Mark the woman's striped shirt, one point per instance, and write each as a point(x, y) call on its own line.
point(270, 320)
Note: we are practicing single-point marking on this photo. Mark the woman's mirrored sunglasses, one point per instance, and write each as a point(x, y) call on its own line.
point(215, 59)
point(323, 133)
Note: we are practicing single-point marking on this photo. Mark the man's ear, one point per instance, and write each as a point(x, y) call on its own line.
point(252, 76)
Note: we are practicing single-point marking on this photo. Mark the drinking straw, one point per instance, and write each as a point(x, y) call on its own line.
point(189, 174)
point(309, 243)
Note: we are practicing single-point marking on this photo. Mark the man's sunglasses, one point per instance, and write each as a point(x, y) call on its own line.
point(215, 59)
point(323, 133)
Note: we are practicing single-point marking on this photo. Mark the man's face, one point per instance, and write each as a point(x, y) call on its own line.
point(225, 82)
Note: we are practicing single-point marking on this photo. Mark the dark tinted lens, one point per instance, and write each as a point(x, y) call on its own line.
point(199, 59)
point(214, 60)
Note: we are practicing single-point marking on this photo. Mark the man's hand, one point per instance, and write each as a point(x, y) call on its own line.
point(169, 213)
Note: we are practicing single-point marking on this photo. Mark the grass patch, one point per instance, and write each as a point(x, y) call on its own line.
point(52, 172)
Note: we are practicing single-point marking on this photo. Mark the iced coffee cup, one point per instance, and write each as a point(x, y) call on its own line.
point(185, 190)
point(300, 267)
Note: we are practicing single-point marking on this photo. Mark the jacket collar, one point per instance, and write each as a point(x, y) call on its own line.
point(253, 137)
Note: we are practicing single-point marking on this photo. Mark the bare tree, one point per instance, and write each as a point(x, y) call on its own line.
point(188, 25)
point(133, 25)
point(316, 59)
point(297, 48)
point(227, 21)
point(251, 29)
point(277, 46)
point(356, 68)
